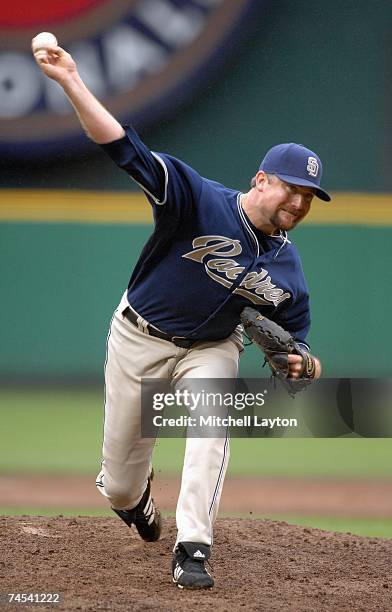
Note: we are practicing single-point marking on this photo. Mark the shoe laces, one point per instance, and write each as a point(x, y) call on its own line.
point(191, 563)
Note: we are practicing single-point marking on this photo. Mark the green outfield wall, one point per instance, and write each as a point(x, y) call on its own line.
point(61, 280)
point(316, 73)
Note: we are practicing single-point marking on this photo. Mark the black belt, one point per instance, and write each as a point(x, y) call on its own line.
point(153, 331)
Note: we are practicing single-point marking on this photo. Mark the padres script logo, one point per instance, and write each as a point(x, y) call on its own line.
point(216, 253)
point(139, 57)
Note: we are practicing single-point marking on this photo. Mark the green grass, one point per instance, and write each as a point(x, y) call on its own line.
point(372, 528)
point(52, 431)
point(60, 431)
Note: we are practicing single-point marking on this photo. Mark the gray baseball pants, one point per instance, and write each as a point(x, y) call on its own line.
point(132, 354)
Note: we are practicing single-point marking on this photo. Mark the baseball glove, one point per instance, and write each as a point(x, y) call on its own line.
point(276, 344)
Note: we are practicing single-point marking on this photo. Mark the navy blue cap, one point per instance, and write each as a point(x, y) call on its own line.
point(295, 164)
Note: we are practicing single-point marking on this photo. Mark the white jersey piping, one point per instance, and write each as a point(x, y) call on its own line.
point(282, 236)
point(156, 200)
point(246, 224)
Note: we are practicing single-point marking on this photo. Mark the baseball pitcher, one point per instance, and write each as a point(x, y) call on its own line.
point(215, 255)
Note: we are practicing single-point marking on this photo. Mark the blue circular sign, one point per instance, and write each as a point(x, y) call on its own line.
point(141, 58)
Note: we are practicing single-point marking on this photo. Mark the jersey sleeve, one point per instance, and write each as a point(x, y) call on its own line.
point(164, 179)
point(296, 320)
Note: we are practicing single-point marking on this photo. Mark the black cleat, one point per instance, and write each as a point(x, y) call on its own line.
point(145, 516)
point(188, 566)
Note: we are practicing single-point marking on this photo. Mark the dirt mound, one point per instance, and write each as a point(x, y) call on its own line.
point(99, 564)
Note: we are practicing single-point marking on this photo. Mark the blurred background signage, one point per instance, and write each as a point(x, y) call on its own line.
point(141, 57)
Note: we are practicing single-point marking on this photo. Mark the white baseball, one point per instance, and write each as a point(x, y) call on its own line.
point(43, 41)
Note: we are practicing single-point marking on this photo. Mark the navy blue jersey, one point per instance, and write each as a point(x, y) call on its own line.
point(205, 260)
